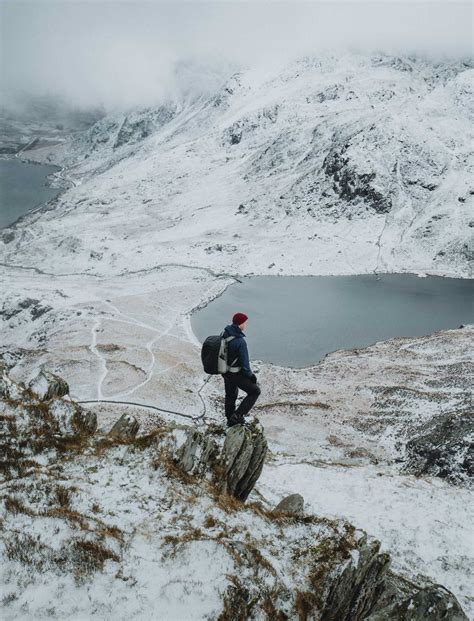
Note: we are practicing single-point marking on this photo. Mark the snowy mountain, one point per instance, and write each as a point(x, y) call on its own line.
point(365, 157)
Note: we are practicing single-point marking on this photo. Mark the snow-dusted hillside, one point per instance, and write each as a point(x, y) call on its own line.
point(112, 525)
point(330, 165)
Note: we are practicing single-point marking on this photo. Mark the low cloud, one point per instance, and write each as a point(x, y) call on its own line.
point(120, 54)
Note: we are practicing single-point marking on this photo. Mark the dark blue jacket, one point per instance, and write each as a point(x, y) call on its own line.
point(237, 348)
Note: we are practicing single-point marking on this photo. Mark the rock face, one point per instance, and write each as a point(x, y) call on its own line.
point(292, 504)
point(355, 588)
point(236, 467)
point(445, 450)
point(125, 428)
point(402, 600)
point(243, 456)
point(48, 385)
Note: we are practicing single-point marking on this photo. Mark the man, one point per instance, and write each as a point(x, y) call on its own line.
point(245, 379)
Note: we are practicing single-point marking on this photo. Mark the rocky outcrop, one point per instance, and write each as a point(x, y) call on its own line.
point(140, 124)
point(402, 600)
point(445, 450)
point(31, 420)
point(356, 585)
point(242, 458)
point(198, 453)
point(47, 385)
point(349, 184)
point(235, 466)
point(125, 428)
point(71, 419)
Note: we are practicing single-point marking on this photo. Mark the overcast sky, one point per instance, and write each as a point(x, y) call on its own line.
point(112, 53)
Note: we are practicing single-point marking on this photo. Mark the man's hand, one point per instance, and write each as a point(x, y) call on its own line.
point(253, 378)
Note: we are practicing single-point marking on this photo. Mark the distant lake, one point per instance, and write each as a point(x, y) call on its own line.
point(296, 320)
point(22, 188)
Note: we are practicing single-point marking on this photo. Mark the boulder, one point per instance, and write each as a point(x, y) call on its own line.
point(47, 385)
point(292, 504)
point(126, 428)
point(198, 453)
point(402, 600)
point(243, 456)
point(445, 449)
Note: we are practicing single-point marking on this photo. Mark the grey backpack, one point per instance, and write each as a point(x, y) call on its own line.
point(214, 355)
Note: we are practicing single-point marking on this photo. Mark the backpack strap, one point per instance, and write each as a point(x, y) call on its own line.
point(230, 367)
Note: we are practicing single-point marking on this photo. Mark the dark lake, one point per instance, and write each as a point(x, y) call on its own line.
point(22, 188)
point(296, 321)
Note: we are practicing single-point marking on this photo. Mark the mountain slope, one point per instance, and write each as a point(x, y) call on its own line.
point(331, 165)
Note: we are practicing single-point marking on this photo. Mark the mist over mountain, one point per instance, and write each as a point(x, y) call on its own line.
point(121, 55)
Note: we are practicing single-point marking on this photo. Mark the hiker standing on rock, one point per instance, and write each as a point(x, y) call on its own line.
point(244, 378)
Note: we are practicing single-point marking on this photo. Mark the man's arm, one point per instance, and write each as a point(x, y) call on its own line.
point(244, 358)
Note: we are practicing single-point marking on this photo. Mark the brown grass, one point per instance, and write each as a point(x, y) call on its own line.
point(304, 604)
point(63, 496)
point(171, 468)
point(236, 601)
point(175, 542)
point(27, 550)
point(15, 505)
point(210, 522)
point(90, 556)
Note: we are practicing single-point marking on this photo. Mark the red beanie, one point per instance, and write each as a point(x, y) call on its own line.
point(239, 318)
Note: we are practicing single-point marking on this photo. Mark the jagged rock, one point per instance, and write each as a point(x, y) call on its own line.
point(355, 586)
point(71, 418)
point(198, 453)
point(242, 457)
point(236, 467)
point(125, 428)
point(48, 385)
point(292, 504)
point(433, 603)
point(350, 184)
point(445, 451)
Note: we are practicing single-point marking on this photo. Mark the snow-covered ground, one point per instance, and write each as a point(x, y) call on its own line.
point(332, 166)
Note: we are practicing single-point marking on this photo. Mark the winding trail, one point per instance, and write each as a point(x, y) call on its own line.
point(143, 405)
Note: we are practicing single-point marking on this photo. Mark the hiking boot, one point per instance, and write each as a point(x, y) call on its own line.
point(235, 420)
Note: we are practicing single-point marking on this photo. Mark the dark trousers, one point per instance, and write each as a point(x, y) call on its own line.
point(232, 383)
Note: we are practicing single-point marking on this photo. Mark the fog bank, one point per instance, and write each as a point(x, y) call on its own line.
point(120, 54)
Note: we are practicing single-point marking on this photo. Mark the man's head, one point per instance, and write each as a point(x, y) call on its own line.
point(240, 319)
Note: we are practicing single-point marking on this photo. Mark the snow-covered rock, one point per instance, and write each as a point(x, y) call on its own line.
point(125, 428)
point(444, 448)
point(47, 385)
